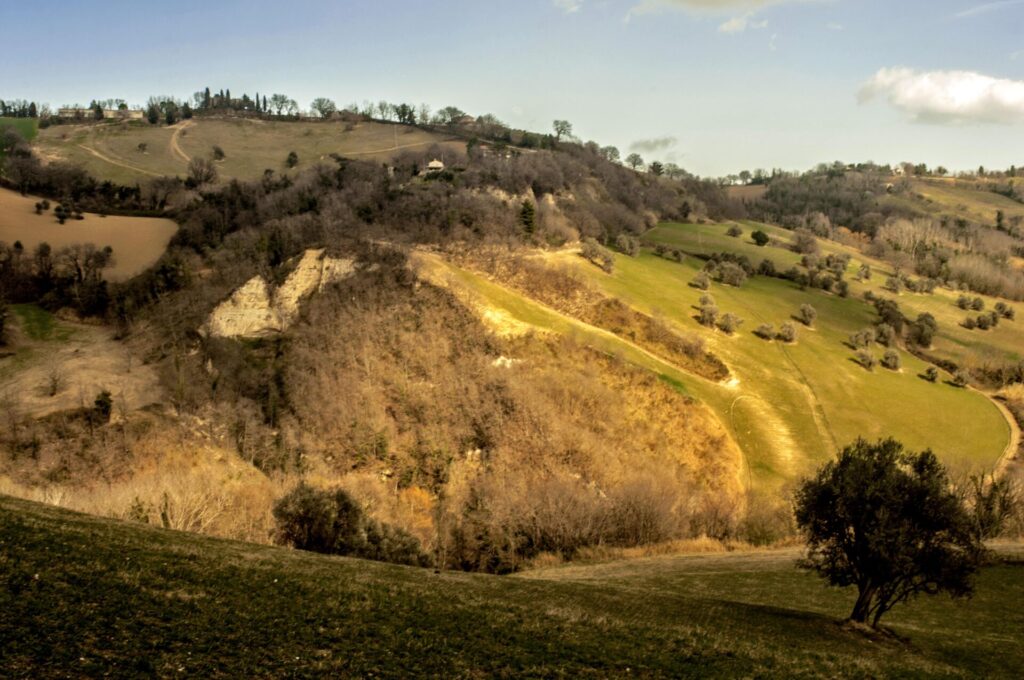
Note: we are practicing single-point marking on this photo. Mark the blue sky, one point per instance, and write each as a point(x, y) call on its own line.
point(714, 85)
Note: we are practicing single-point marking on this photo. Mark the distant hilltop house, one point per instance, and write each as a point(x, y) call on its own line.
point(85, 112)
point(433, 167)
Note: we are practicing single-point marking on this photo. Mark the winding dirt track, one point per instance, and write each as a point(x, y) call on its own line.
point(1015, 438)
point(108, 159)
point(176, 149)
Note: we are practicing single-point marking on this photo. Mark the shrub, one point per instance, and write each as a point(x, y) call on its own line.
point(734, 231)
point(891, 360)
point(864, 273)
point(597, 254)
point(330, 522)
point(963, 302)
point(731, 274)
point(961, 378)
point(804, 242)
point(807, 315)
point(765, 331)
point(893, 284)
point(983, 322)
point(629, 245)
point(977, 304)
point(706, 299)
point(923, 331)
point(701, 281)
point(885, 335)
point(760, 238)
point(842, 288)
point(931, 374)
point(787, 332)
point(862, 339)
point(292, 160)
point(708, 316)
point(218, 153)
point(729, 323)
point(766, 268)
point(866, 359)
point(969, 323)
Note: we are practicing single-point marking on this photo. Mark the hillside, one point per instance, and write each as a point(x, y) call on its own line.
point(162, 602)
point(788, 406)
point(131, 152)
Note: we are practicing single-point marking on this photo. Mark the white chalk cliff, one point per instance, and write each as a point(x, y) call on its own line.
point(255, 311)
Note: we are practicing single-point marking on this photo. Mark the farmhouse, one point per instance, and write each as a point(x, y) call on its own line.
point(433, 167)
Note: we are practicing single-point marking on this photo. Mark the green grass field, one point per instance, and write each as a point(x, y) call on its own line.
point(111, 150)
point(88, 597)
point(26, 127)
point(791, 406)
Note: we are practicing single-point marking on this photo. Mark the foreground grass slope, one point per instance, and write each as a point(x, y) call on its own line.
point(112, 151)
point(85, 597)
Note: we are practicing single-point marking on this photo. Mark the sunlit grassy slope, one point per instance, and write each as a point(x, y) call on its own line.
point(111, 151)
point(789, 407)
point(962, 198)
point(90, 597)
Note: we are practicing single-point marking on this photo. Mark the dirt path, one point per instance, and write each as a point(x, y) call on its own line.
point(107, 159)
point(1013, 446)
point(175, 147)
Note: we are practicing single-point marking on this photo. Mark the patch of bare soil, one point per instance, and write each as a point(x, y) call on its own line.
point(138, 242)
point(48, 376)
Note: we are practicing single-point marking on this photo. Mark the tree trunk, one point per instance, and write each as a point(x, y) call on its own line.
point(863, 606)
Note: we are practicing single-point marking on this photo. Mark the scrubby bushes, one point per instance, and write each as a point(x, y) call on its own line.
point(331, 522)
point(760, 238)
point(597, 254)
point(891, 360)
point(627, 244)
point(866, 359)
point(787, 332)
point(765, 331)
point(734, 231)
point(807, 315)
point(729, 323)
point(701, 281)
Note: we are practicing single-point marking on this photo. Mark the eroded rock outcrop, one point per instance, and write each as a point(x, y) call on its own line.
point(255, 311)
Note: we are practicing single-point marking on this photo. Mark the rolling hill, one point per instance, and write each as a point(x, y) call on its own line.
point(789, 407)
point(89, 596)
point(130, 152)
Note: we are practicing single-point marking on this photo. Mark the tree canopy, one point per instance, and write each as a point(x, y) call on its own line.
point(887, 521)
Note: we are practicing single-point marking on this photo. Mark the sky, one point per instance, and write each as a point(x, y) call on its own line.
point(716, 86)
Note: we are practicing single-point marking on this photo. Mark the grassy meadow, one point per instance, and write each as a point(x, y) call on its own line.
point(111, 150)
point(789, 406)
point(89, 597)
point(26, 127)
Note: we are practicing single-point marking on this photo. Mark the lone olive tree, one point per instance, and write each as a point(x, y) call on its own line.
point(887, 521)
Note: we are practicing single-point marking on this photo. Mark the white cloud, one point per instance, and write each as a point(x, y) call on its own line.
point(771, 43)
point(986, 8)
point(950, 97)
point(742, 23)
point(834, 26)
point(568, 6)
point(737, 23)
point(710, 6)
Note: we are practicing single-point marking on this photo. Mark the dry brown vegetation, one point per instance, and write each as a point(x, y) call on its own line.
point(562, 289)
